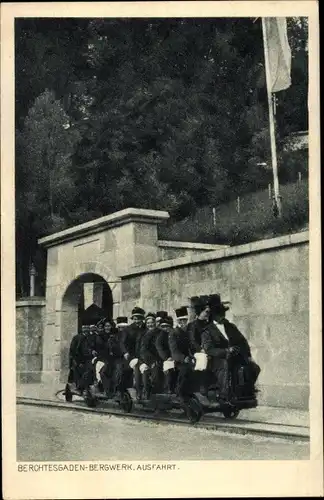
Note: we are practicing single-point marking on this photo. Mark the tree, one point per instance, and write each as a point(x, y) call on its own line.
point(50, 54)
point(44, 176)
point(163, 116)
point(154, 113)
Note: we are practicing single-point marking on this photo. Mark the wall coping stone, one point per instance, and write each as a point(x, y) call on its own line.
point(139, 215)
point(230, 252)
point(190, 245)
point(31, 302)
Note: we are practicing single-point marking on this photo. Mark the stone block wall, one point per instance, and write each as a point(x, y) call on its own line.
point(266, 282)
point(267, 285)
point(175, 249)
point(30, 317)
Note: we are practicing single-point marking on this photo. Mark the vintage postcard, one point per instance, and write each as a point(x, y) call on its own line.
point(160, 250)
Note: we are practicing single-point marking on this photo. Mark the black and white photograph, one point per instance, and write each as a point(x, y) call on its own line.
point(161, 240)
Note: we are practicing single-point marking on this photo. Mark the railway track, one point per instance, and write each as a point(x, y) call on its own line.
point(210, 422)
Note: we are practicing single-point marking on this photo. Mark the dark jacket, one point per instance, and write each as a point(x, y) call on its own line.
point(179, 344)
point(162, 344)
point(86, 347)
point(195, 329)
point(107, 346)
point(74, 348)
point(131, 340)
point(114, 345)
point(148, 350)
point(216, 345)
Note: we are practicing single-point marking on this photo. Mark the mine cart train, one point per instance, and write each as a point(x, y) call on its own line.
point(197, 367)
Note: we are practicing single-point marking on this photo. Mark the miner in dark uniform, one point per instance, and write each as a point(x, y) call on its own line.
point(108, 353)
point(151, 366)
point(227, 348)
point(202, 311)
point(121, 324)
point(104, 361)
point(179, 344)
point(201, 307)
point(75, 362)
point(87, 353)
point(100, 327)
point(101, 339)
point(163, 349)
point(130, 346)
point(159, 316)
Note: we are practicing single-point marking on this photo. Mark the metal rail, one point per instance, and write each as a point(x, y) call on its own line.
point(160, 418)
point(220, 419)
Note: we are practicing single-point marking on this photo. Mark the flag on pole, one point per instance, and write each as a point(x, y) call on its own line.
point(279, 53)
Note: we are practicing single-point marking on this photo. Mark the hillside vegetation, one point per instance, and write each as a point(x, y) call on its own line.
point(255, 220)
point(166, 114)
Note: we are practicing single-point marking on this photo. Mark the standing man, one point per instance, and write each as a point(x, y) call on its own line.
point(130, 345)
point(180, 352)
point(227, 347)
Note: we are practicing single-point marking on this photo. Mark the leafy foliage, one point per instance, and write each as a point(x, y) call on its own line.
point(44, 176)
point(154, 113)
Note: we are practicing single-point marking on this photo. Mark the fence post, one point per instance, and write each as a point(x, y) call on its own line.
point(238, 205)
point(214, 216)
point(32, 274)
point(270, 191)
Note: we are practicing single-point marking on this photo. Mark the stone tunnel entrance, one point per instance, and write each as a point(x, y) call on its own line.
point(92, 258)
point(87, 261)
point(80, 295)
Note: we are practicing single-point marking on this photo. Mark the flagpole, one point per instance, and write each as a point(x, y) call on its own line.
point(277, 198)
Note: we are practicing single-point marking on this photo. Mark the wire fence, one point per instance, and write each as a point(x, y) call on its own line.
point(248, 217)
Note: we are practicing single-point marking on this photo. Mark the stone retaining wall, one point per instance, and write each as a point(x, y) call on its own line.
point(267, 285)
point(30, 316)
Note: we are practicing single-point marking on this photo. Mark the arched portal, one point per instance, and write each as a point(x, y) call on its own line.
point(108, 248)
point(75, 302)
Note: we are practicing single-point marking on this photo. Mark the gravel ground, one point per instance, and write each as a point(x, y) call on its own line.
point(54, 435)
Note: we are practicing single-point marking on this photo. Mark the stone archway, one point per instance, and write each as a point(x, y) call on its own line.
point(62, 314)
point(107, 247)
point(73, 307)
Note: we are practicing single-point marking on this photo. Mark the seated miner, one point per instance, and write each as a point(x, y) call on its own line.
point(130, 346)
point(163, 349)
point(150, 364)
point(99, 353)
point(100, 327)
point(87, 352)
point(227, 347)
point(202, 311)
point(121, 324)
point(179, 344)
point(108, 353)
point(159, 316)
point(115, 360)
point(195, 328)
point(75, 360)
